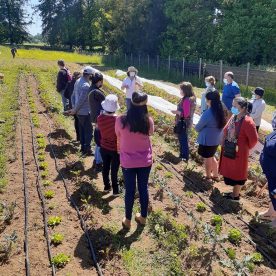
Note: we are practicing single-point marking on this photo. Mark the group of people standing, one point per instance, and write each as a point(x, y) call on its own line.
point(230, 121)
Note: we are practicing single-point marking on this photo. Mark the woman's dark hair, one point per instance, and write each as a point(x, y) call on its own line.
point(137, 118)
point(243, 103)
point(217, 108)
point(187, 89)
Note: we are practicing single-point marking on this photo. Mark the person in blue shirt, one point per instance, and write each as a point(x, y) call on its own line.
point(268, 161)
point(230, 91)
point(210, 128)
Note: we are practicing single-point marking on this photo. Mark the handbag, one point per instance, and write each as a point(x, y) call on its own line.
point(180, 126)
point(230, 149)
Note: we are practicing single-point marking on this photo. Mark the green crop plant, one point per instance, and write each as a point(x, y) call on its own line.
point(60, 260)
point(43, 166)
point(7, 247)
point(57, 238)
point(41, 157)
point(47, 183)
point(158, 167)
point(35, 121)
point(217, 222)
point(200, 207)
point(231, 253)
point(49, 194)
point(6, 213)
point(41, 143)
point(54, 221)
point(234, 236)
point(44, 174)
point(256, 258)
point(39, 135)
point(168, 175)
point(189, 194)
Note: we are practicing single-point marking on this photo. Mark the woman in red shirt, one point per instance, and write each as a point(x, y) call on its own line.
point(240, 130)
point(111, 159)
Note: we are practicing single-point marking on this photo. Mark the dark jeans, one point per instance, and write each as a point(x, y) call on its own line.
point(257, 128)
point(271, 181)
point(184, 145)
point(76, 123)
point(128, 103)
point(85, 131)
point(111, 160)
point(142, 176)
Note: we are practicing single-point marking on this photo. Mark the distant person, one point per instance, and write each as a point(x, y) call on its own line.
point(268, 161)
point(240, 136)
point(133, 131)
point(82, 110)
point(13, 52)
point(131, 83)
point(63, 78)
point(258, 106)
point(109, 151)
point(210, 130)
point(210, 82)
point(230, 91)
point(184, 118)
point(68, 95)
point(96, 97)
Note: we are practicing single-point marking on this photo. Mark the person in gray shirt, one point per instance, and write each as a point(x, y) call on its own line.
point(81, 108)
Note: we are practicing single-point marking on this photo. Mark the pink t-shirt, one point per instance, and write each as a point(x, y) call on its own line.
point(135, 148)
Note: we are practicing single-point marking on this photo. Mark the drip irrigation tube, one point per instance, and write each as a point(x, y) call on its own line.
point(70, 199)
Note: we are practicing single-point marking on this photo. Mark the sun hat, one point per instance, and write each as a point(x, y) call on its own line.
point(132, 69)
point(139, 98)
point(88, 70)
point(259, 91)
point(110, 104)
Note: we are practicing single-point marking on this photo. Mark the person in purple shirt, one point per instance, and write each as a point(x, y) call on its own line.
point(230, 91)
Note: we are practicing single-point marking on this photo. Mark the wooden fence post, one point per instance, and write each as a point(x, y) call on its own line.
point(183, 67)
point(125, 58)
point(139, 60)
point(220, 73)
point(157, 63)
point(199, 68)
point(247, 75)
point(169, 64)
point(148, 62)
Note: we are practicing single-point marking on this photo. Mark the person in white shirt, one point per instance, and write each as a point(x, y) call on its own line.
point(210, 87)
point(258, 106)
point(131, 84)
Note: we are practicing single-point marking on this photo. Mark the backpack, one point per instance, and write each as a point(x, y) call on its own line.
point(68, 74)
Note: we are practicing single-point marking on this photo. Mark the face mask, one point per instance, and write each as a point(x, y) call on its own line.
point(208, 84)
point(225, 81)
point(132, 74)
point(235, 110)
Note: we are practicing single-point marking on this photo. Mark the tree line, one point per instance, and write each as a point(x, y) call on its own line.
point(237, 31)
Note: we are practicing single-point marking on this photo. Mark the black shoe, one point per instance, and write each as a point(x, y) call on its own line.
point(229, 196)
point(99, 167)
point(107, 188)
point(87, 153)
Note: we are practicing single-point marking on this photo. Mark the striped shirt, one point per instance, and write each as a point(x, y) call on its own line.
point(106, 125)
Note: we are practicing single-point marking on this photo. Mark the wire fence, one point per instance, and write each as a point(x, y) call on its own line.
point(183, 69)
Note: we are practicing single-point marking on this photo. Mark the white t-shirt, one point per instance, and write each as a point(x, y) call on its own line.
point(131, 85)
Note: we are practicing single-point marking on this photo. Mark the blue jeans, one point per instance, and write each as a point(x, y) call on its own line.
point(98, 157)
point(65, 101)
point(85, 131)
point(142, 176)
point(128, 103)
point(184, 145)
point(271, 181)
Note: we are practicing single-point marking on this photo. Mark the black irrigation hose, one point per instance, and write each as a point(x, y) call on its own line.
point(26, 199)
point(41, 196)
point(212, 207)
point(70, 199)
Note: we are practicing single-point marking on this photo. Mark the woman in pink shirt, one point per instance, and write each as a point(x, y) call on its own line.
point(133, 132)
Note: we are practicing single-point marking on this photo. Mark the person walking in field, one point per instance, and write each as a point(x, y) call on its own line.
point(240, 136)
point(210, 128)
point(13, 52)
point(96, 97)
point(230, 91)
point(184, 118)
point(258, 106)
point(82, 110)
point(133, 131)
point(63, 78)
point(108, 142)
point(68, 95)
point(268, 163)
point(131, 83)
point(210, 82)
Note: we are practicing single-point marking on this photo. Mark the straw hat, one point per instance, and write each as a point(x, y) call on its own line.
point(132, 69)
point(110, 104)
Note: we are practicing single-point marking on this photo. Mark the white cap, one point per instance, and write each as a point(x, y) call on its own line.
point(88, 70)
point(110, 104)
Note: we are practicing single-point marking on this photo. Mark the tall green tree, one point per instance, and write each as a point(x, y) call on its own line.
point(13, 21)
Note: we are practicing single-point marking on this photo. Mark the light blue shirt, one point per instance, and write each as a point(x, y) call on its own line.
point(208, 132)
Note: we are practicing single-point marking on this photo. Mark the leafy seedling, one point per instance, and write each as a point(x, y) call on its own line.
point(43, 166)
point(44, 174)
point(189, 194)
point(57, 238)
point(158, 167)
point(7, 246)
point(41, 157)
point(39, 135)
point(6, 212)
point(47, 183)
point(256, 258)
point(49, 194)
point(217, 222)
point(200, 207)
point(234, 236)
point(60, 260)
point(54, 221)
point(168, 175)
point(231, 253)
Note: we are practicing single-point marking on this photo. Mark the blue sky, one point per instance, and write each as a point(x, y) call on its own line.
point(36, 26)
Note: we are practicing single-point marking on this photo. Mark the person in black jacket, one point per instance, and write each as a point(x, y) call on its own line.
point(68, 94)
point(96, 97)
point(62, 82)
point(268, 163)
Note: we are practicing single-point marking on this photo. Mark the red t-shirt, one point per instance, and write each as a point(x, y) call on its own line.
point(106, 125)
